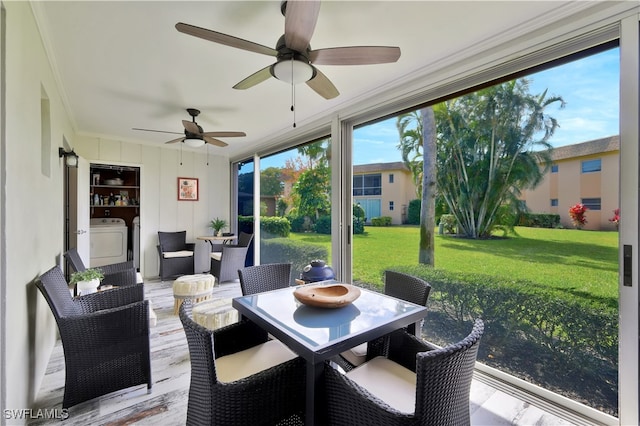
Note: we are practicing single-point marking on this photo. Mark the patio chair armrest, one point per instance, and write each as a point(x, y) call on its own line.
point(120, 278)
point(100, 328)
point(111, 298)
point(117, 267)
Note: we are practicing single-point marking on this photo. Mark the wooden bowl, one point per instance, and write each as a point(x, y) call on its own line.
point(327, 296)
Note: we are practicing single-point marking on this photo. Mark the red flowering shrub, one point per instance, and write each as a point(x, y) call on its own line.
point(616, 217)
point(577, 213)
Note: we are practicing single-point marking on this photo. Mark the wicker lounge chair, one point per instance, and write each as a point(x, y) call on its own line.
point(123, 273)
point(105, 337)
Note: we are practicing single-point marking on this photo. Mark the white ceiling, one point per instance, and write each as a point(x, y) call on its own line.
point(123, 64)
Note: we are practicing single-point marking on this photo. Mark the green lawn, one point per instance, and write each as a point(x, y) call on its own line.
point(571, 260)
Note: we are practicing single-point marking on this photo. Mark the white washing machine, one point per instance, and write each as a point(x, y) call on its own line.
point(108, 241)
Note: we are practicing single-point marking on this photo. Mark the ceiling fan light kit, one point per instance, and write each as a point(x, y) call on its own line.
point(293, 71)
point(193, 142)
point(194, 136)
point(295, 59)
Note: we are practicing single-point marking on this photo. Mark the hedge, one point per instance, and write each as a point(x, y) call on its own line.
point(381, 221)
point(277, 250)
point(539, 220)
point(580, 335)
point(271, 226)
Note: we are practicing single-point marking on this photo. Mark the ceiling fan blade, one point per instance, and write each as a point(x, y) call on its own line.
point(158, 131)
point(355, 55)
point(224, 134)
point(323, 86)
point(214, 141)
point(255, 78)
point(191, 127)
point(225, 39)
point(176, 140)
point(299, 23)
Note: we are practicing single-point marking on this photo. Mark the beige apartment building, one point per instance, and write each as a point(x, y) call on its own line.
point(585, 173)
point(383, 189)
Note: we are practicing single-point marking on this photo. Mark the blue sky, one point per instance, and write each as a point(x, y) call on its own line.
point(589, 87)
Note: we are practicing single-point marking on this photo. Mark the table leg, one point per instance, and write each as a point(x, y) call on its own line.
point(314, 394)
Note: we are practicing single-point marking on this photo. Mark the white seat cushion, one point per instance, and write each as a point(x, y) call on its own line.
point(251, 361)
point(139, 278)
point(181, 253)
point(356, 356)
point(217, 255)
point(389, 381)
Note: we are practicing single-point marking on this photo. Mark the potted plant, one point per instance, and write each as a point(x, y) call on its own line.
point(87, 280)
point(217, 225)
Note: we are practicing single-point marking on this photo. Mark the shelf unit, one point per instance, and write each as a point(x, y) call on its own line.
point(125, 198)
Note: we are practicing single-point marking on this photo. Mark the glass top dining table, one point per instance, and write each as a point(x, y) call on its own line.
point(317, 334)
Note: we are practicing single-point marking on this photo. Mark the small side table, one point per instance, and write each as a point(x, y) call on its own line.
point(196, 287)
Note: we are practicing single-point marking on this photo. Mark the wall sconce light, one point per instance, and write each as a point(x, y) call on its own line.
point(70, 157)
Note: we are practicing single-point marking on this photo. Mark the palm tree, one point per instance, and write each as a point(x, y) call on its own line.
point(491, 144)
point(417, 131)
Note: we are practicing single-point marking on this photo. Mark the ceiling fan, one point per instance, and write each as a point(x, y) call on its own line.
point(295, 59)
point(194, 136)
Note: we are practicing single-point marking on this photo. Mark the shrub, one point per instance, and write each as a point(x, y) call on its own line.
point(577, 213)
point(539, 220)
point(381, 221)
point(278, 250)
point(323, 225)
point(358, 212)
point(448, 222)
point(413, 212)
point(297, 223)
point(273, 226)
point(358, 225)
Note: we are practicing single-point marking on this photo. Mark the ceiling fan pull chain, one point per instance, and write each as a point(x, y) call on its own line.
point(293, 96)
point(181, 154)
point(207, 155)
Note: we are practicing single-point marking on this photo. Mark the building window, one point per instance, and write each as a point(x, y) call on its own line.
point(390, 205)
point(367, 184)
point(591, 203)
point(554, 202)
point(590, 166)
point(554, 168)
point(390, 177)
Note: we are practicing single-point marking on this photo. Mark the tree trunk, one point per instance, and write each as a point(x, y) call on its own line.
point(428, 207)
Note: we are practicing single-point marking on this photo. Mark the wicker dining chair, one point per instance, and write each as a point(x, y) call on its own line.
point(176, 255)
point(401, 286)
point(105, 337)
point(239, 377)
point(259, 278)
point(225, 264)
point(406, 382)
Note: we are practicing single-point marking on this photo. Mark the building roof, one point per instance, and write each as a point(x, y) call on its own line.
point(597, 146)
point(379, 167)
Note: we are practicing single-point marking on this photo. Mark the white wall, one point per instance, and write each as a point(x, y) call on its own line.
point(160, 210)
point(34, 211)
point(33, 230)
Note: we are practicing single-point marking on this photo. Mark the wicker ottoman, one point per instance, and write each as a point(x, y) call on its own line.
point(195, 287)
point(214, 314)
